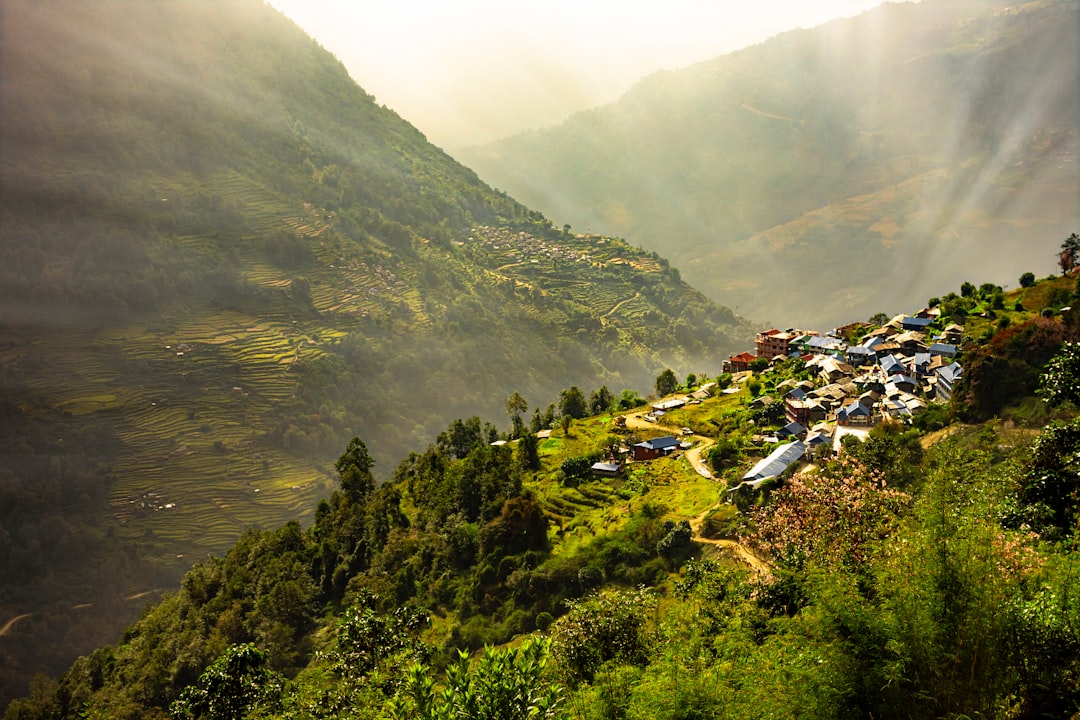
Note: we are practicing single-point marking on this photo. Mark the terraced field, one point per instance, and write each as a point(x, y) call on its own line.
point(193, 469)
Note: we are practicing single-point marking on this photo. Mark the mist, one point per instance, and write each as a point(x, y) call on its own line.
point(472, 72)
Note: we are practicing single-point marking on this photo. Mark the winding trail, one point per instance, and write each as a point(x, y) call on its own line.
point(740, 551)
point(619, 304)
point(11, 623)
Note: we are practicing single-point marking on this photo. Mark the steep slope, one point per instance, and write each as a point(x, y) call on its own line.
point(830, 172)
point(220, 260)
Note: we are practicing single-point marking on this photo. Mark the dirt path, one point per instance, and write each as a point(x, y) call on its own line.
point(740, 551)
point(762, 113)
point(619, 304)
point(11, 623)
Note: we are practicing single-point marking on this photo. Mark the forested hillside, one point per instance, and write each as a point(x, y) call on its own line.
point(928, 570)
point(219, 260)
point(827, 173)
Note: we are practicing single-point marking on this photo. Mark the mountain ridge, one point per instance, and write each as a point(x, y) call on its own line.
point(983, 92)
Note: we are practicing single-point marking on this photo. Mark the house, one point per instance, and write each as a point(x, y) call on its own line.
point(901, 382)
point(666, 405)
point(606, 469)
point(891, 365)
point(805, 411)
point(770, 343)
point(943, 349)
point(947, 378)
point(848, 331)
point(854, 414)
point(760, 402)
point(886, 348)
point(796, 393)
point(832, 369)
point(915, 323)
point(860, 355)
point(777, 462)
point(823, 345)
point(657, 447)
point(910, 342)
point(920, 365)
point(739, 363)
point(793, 429)
point(952, 334)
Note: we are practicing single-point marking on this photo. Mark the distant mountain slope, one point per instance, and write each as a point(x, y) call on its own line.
point(220, 260)
point(829, 172)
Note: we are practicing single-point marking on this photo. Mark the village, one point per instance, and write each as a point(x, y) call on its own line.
point(862, 375)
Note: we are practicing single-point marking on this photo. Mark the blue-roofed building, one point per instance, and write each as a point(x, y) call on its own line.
point(777, 462)
point(820, 345)
point(657, 447)
point(792, 429)
point(915, 323)
point(902, 382)
point(859, 355)
point(920, 364)
point(606, 469)
point(947, 378)
point(943, 349)
point(854, 414)
point(891, 365)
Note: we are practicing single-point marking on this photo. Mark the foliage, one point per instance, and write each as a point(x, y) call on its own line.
point(609, 626)
point(233, 685)
point(572, 403)
point(1047, 499)
point(834, 518)
point(666, 382)
point(504, 684)
point(1061, 380)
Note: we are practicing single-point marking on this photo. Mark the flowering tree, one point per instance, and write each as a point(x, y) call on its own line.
point(833, 518)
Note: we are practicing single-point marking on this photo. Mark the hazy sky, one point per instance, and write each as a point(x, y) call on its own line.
point(471, 71)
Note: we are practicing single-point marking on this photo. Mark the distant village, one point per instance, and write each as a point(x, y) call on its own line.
point(866, 375)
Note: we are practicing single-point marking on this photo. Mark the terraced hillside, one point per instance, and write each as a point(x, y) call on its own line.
point(220, 259)
point(829, 172)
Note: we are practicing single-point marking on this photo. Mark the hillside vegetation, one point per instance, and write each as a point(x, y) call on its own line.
point(219, 261)
point(927, 572)
point(827, 173)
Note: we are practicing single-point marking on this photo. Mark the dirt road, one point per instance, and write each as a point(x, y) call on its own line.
point(11, 623)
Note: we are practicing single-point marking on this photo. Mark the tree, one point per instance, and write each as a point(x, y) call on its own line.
point(575, 468)
point(666, 382)
point(1061, 380)
point(601, 400)
point(608, 626)
point(515, 406)
point(572, 403)
point(691, 380)
point(234, 684)
point(354, 471)
point(529, 451)
point(967, 289)
point(505, 684)
point(1070, 253)
point(758, 365)
point(1027, 280)
point(879, 318)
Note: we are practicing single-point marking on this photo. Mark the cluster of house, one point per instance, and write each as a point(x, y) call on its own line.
point(524, 247)
point(891, 373)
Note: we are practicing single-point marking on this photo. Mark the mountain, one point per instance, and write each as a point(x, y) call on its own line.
point(220, 260)
point(926, 570)
point(827, 173)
